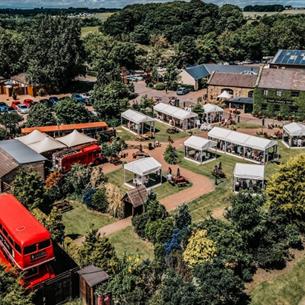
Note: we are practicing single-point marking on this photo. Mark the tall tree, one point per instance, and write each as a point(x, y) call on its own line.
point(53, 51)
point(40, 115)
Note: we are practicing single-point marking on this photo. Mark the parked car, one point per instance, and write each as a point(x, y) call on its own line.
point(28, 102)
point(78, 98)
point(3, 107)
point(11, 110)
point(22, 109)
point(53, 100)
point(182, 91)
point(15, 104)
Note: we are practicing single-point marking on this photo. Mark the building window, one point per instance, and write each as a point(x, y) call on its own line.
point(279, 93)
point(293, 109)
point(265, 92)
point(295, 93)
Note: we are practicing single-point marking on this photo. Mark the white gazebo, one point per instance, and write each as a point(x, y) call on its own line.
point(294, 135)
point(146, 171)
point(198, 150)
point(225, 95)
point(47, 145)
point(33, 137)
point(175, 116)
point(137, 122)
point(75, 138)
point(255, 149)
point(249, 177)
point(213, 113)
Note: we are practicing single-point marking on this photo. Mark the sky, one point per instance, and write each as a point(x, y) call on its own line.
point(122, 3)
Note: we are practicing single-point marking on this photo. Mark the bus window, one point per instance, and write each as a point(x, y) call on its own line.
point(44, 244)
point(29, 249)
point(18, 248)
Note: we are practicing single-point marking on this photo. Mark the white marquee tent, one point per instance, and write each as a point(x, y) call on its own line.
point(294, 135)
point(139, 119)
point(75, 138)
point(225, 95)
point(213, 113)
point(227, 138)
point(142, 168)
point(197, 149)
point(33, 137)
point(244, 173)
point(211, 108)
point(182, 118)
point(48, 144)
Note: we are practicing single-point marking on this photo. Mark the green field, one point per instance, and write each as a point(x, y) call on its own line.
point(253, 15)
point(103, 16)
point(88, 30)
point(162, 191)
point(127, 242)
point(286, 289)
point(80, 220)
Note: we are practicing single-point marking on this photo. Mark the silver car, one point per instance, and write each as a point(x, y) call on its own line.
point(22, 109)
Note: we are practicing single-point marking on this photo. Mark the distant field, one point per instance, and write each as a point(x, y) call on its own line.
point(88, 30)
point(103, 16)
point(260, 14)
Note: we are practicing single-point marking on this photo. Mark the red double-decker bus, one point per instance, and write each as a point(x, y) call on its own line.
point(24, 243)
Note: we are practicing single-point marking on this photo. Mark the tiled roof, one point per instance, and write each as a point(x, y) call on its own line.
point(93, 275)
point(285, 79)
point(289, 57)
point(66, 127)
point(233, 80)
point(204, 70)
point(137, 196)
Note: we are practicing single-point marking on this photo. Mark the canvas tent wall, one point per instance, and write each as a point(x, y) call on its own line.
point(294, 135)
point(212, 113)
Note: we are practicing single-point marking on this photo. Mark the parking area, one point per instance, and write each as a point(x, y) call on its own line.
point(187, 99)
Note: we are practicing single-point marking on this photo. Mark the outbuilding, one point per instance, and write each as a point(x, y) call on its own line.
point(175, 116)
point(198, 150)
point(294, 135)
point(249, 177)
point(146, 171)
point(137, 122)
point(241, 145)
point(14, 156)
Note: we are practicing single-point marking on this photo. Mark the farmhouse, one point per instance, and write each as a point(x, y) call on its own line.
point(237, 85)
point(280, 92)
point(197, 76)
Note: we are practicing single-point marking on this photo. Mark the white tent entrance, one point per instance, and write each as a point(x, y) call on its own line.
point(137, 122)
point(198, 150)
point(213, 113)
point(294, 135)
point(249, 177)
point(146, 171)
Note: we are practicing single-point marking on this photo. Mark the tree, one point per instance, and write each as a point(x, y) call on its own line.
point(71, 112)
point(11, 122)
point(98, 251)
point(40, 115)
point(11, 292)
point(218, 285)
point(182, 217)
point(170, 155)
point(200, 249)
point(159, 231)
point(175, 291)
point(53, 51)
point(110, 100)
point(54, 224)
point(78, 179)
point(96, 199)
point(28, 189)
point(286, 190)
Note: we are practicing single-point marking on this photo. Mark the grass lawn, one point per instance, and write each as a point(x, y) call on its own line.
point(248, 125)
point(162, 135)
point(288, 288)
point(166, 189)
point(129, 243)
point(125, 134)
point(79, 220)
point(88, 30)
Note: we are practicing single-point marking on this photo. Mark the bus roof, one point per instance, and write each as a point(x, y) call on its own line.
point(65, 127)
point(22, 226)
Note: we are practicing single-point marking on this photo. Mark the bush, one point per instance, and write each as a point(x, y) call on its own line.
point(99, 201)
point(170, 155)
point(160, 86)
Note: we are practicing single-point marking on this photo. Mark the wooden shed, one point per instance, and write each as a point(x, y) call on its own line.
point(89, 278)
point(134, 200)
